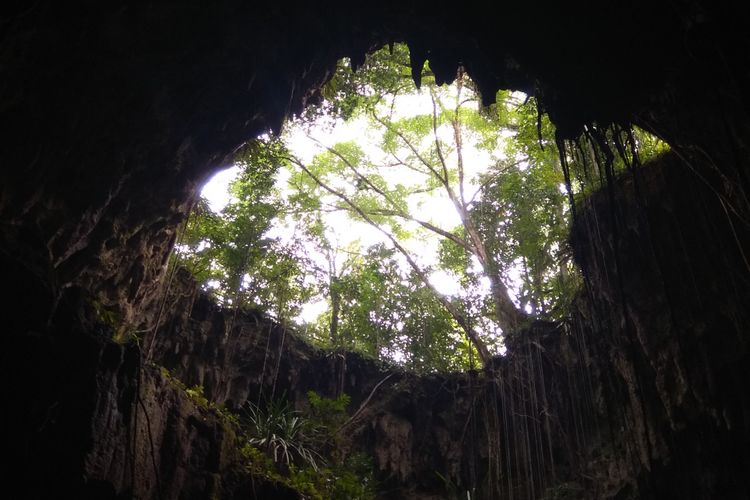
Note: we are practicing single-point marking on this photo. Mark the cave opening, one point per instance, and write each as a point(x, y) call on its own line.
point(510, 443)
point(383, 189)
point(118, 366)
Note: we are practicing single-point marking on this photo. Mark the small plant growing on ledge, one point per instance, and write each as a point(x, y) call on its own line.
point(197, 395)
point(279, 431)
point(111, 318)
point(299, 450)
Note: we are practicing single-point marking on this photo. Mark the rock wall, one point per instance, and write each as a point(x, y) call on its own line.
point(70, 421)
point(84, 417)
point(641, 396)
point(517, 427)
point(522, 426)
point(668, 323)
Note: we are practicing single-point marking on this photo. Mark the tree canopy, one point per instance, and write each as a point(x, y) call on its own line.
point(432, 189)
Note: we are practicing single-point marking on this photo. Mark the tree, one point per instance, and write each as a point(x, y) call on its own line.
point(230, 254)
point(418, 143)
point(497, 167)
point(387, 313)
point(523, 215)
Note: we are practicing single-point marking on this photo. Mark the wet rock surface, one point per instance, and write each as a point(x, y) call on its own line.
point(670, 319)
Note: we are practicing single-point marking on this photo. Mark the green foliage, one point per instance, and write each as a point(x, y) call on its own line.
point(388, 313)
point(648, 146)
point(198, 397)
point(348, 92)
point(351, 480)
point(327, 414)
point(230, 255)
point(608, 151)
point(111, 318)
point(297, 449)
point(498, 165)
point(293, 448)
point(196, 394)
point(279, 431)
point(261, 464)
point(452, 256)
point(524, 217)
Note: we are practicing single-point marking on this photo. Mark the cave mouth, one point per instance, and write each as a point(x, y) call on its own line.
point(397, 221)
point(656, 368)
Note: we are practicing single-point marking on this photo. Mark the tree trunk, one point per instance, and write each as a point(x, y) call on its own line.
point(335, 311)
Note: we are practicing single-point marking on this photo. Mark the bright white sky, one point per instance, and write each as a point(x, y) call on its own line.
point(436, 208)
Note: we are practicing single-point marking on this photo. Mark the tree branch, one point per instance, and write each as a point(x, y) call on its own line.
point(429, 226)
point(439, 150)
point(447, 304)
point(458, 138)
point(410, 146)
point(495, 176)
point(359, 175)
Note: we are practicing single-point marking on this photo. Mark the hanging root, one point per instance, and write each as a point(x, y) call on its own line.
point(364, 403)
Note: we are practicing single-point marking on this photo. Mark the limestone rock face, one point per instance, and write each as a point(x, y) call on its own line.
point(82, 434)
point(671, 316)
point(101, 424)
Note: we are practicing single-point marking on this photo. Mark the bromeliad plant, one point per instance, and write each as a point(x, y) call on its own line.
point(281, 432)
point(300, 450)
